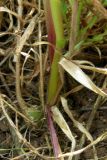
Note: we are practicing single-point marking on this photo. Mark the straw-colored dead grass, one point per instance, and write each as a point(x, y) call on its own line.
point(24, 70)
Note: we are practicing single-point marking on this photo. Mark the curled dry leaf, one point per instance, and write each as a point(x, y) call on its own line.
point(78, 124)
point(75, 71)
point(90, 66)
point(59, 119)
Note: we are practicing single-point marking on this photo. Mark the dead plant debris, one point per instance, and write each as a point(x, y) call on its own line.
point(24, 76)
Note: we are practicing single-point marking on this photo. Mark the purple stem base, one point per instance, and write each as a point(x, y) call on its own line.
point(53, 135)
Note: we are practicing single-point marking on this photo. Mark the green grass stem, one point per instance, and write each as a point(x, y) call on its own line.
point(56, 10)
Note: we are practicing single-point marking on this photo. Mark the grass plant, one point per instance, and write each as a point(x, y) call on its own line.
point(78, 39)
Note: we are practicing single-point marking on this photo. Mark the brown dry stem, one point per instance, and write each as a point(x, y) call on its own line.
point(20, 43)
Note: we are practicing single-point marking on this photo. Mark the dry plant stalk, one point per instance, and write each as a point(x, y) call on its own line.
point(74, 27)
point(41, 61)
point(1, 13)
point(99, 139)
point(78, 125)
point(17, 136)
point(91, 118)
point(97, 8)
point(20, 43)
